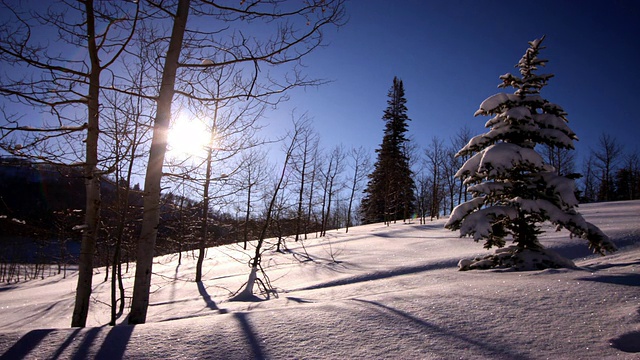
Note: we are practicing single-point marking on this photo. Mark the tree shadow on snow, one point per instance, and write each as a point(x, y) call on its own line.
point(622, 279)
point(41, 311)
point(208, 300)
point(250, 335)
point(79, 341)
point(385, 274)
point(115, 343)
point(469, 341)
point(26, 344)
point(577, 251)
point(629, 342)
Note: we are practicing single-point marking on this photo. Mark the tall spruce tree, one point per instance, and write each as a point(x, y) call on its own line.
point(389, 195)
point(513, 189)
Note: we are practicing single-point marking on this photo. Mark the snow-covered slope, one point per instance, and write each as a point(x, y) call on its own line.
point(376, 292)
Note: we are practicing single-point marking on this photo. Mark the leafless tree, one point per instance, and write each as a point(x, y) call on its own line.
point(126, 132)
point(302, 163)
point(68, 90)
point(628, 177)
point(589, 182)
point(360, 164)
point(435, 156)
point(423, 198)
point(297, 30)
point(450, 183)
point(607, 157)
point(334, 167)
point(462, 137)
point(562, 160)
point(247, 293)
point(315, 165)
point(232, 129)
point(251, 173)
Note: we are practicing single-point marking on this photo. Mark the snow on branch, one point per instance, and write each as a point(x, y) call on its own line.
point(66, 129)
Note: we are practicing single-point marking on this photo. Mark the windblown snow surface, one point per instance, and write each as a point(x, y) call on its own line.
point(374, 292)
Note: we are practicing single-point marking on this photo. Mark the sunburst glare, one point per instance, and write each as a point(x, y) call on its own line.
point(188, 136)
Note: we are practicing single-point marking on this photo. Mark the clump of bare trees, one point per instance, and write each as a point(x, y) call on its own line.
point(141, 56)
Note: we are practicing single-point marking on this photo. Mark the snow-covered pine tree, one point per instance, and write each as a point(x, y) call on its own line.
point(514, 191)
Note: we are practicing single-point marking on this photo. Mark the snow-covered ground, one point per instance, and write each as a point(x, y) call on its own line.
point(377, 292)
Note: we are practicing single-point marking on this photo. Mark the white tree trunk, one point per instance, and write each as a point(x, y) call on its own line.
point(92, 182)
point(151, 204)
point(247, 293)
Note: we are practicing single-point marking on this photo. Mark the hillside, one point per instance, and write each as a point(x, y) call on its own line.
point(376, 292)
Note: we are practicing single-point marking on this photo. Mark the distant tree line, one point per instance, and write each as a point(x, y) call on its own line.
point(43, 204)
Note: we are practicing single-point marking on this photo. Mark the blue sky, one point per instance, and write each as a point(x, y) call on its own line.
point(450, 54)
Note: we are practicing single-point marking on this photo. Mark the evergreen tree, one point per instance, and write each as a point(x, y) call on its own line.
point(513, 189)
point(389, 194)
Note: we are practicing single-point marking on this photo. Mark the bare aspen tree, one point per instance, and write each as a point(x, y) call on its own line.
point(127, 134)
point(302, 165)
point(151, 213)
point(232, 129)
point(312, 185)
point(251, 172)
point(589, 181)
point(64, 88)
point(281, 212)
point(325, 190)
point(461, 139)
point(360, 164)
point(423, 185)
point(628, 177)
point(435, 159)
point(450, 165)
point(284, 34)
point(335, 167)
point(607, 156)
point(247, 293)
point(562, 160)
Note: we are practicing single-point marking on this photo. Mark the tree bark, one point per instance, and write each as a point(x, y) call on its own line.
point(151, 203)
point(205, 200)
point(92, 182)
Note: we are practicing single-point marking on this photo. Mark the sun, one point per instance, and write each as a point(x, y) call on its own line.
point(187, 137)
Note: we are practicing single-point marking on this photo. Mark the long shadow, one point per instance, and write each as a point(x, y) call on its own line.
point(36, 314)
point(399, 232)
point(250, 335)
point(208, 300)
point(429, 226)
point(384, 274)
point(115, 344)
point(580, 250)
point(82, 352)
point(611, 265)
point(66, 343)
point(629, 342)
point(26, 344)
point(623, 279)
point(497, 352)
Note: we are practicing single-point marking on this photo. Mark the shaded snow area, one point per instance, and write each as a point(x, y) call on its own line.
point(377, 292)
